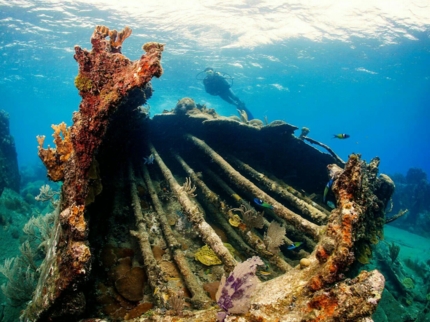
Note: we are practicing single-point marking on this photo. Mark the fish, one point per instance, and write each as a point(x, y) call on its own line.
point(341, 136)
point(149, 159)
point(264, 273)
point(295, 245)
point(326, 189)
point(262, 203)
point(331, 204)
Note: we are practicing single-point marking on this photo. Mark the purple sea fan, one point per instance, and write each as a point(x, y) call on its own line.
point(234, 293)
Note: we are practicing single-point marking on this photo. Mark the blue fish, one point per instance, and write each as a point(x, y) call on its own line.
point(295, 245)
point(326, 189)
point(262, 203)
point(341, 136)
point(149, 160)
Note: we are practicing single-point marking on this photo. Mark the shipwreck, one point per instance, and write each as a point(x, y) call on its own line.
point(155, 211)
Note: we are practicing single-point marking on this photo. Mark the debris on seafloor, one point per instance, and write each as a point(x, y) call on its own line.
point(131, 240)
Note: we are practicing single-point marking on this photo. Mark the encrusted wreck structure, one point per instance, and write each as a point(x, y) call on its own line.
point(155, 211)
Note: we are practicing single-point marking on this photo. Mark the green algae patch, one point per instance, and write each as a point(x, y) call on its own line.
point(83, 83)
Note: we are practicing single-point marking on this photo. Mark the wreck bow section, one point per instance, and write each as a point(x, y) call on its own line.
point(171, 204)
point(107, 82)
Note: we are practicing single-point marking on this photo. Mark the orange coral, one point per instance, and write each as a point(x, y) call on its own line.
point(321, 254)
point(315, 283)
point(77, 222)
point(117, 38)
point(325, 304)
point(54, 159)
point(74, 218)
point(347, 229)
point(64, 144)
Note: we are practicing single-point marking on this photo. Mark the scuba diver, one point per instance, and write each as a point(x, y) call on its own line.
point(216, 84)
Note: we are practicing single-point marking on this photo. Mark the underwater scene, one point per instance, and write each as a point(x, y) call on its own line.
point(215, 160)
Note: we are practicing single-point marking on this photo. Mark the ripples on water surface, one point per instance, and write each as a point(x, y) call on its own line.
point(333, 66)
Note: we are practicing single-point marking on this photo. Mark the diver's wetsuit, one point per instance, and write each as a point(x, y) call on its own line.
point(217, 85)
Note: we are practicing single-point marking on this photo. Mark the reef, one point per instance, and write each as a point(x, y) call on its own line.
point(411, 199)
point(9, 173)
point(151, 240)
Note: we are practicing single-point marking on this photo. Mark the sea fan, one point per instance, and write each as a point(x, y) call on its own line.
point(234, 293)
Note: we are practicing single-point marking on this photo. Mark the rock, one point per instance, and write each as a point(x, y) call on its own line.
point(9, 173)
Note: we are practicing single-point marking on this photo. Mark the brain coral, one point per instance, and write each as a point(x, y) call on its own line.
point(408, 283)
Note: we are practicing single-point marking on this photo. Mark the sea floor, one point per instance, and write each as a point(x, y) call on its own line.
point(399, 302)
point(411, 245)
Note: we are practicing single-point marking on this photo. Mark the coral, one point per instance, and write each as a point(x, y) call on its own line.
point(408, 283)
point(38, 230)
point(21, 281)
point(176, 302)
point(73, 218)
point(234, 292)
point(211, 288)
point(189, 188)
point(206, 256)
point(117, 38)
point(251, 218)
point(150, 46)
point(130, 285)
point(47, 194)
point(393, 251)
point(304, 262)
point(28, 256)
point(243, 116)
point(274, 237)
point(55, 159)
point(82, 83)
point(363, 253)
point(235, 220)
point(256, 123)
point(114, 80)
point(106, 126)
point(305, 131)
point(184, 105)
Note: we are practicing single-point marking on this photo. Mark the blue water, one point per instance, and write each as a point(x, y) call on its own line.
point(333, 68)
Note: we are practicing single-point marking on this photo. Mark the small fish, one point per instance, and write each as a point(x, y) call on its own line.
point(149, 160)
point(326, 189)
point(341, 136)
point(264, 273)
point(262, 203)
point(331, 204)
point(295, 245)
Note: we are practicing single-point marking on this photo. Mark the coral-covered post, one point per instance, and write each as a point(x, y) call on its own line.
point(107, 81)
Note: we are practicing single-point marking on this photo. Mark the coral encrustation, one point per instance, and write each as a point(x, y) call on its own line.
point(107, 81)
